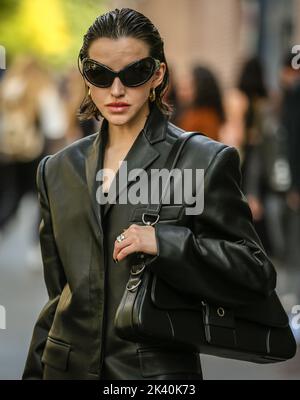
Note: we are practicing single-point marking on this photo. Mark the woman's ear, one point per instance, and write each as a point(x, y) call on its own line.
point(159, 75)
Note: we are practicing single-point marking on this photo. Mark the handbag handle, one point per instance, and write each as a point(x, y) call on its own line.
point(153, 210)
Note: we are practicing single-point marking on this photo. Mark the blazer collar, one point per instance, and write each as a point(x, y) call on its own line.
point(156, 125)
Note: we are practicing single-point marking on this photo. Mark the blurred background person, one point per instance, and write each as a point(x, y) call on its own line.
point(290, 121)
point(73, 92)
point(201, 103)
point(246, 108)
point(33, 123)
point(266, 176)
point(290, 83)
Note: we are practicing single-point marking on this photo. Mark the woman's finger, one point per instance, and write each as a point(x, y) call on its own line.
point(126, 251)
point(120, 245)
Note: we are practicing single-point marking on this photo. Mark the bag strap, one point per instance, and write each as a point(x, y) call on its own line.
point(153, 210)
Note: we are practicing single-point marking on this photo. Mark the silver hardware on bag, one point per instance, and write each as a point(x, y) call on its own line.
point(148, 222)
point(138, 271)
point(134, 287)
point(221, 312)
point(135, 272)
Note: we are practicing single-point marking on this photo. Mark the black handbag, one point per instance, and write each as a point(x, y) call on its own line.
point(153, 312)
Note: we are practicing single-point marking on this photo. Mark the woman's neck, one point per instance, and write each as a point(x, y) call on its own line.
point(119, 135)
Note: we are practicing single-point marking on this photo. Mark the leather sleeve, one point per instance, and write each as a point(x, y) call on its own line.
point(54, 280)
point(219, 258)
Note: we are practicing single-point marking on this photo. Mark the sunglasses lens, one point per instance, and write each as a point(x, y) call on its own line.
point(138, 73)
point(96, 74)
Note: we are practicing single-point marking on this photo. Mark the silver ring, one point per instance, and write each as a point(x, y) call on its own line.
point(120, 237)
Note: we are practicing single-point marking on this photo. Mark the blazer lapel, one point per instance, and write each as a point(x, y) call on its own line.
point(92, 164)
point(141, 155)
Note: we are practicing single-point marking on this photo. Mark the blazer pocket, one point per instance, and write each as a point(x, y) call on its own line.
point(154, 362)
point(167, 213)
point(56, 354)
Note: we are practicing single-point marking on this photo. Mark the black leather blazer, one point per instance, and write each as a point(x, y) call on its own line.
point(215, 256)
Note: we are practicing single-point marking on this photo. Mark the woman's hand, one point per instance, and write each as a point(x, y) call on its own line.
point(137, 239)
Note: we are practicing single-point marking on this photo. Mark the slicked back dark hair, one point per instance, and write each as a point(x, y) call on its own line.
point(124, 23)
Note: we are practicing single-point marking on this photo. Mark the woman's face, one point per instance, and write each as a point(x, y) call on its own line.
point(117, 54)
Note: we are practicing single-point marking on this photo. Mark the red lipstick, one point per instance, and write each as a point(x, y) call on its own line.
point(118, 106)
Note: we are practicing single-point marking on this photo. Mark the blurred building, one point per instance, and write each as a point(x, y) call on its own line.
point(221, 34)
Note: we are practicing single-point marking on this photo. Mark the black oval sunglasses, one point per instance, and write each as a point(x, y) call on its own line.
point(134, 74)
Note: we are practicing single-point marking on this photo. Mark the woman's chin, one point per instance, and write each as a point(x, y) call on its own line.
point(118, 120)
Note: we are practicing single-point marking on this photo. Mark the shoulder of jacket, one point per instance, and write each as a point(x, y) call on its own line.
point(200, 146)
point(79, 147)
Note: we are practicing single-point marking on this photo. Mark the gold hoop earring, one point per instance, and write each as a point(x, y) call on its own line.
point(152, 95)
point(89, 92)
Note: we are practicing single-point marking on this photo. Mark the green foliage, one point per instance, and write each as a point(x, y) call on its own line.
point(20, 34)
point(81, 14)
point(7, 7)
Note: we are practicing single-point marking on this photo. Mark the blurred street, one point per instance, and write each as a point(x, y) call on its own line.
point(23, 294)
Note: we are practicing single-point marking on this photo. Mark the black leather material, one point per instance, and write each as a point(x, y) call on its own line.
point(269, 312)
point(222, 256)
point(56, 354)
point(247, 334)
point(161, 362)
point(143, 314)
point(168, 213)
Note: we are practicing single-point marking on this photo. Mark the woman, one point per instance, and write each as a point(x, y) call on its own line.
point(74, 336)
point(206, 113)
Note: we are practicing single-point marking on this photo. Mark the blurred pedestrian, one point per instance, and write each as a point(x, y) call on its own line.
point(290, 118)
point(290, 82)
point(73, 93)
point(33, 123)
point(246, 108)
point(204, 112)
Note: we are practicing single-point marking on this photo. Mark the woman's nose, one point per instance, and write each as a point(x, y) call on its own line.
point(117, 88)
